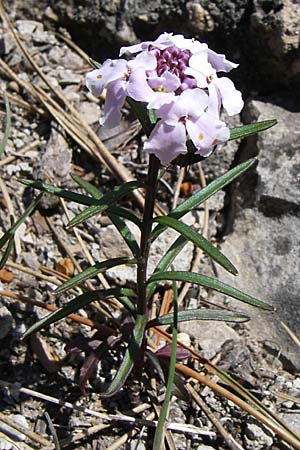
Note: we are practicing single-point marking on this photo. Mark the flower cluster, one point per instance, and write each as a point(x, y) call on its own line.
point(177, 78)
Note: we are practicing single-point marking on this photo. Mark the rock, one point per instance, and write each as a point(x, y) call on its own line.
point(6, 321)
point(276, 25)
point(27, 27)
point(90, 111)
point(292, 419)
point(265, 243)
point(54, 165)
point(257, 437)
point(266, 252)
point(209, 336)
point(278, 168)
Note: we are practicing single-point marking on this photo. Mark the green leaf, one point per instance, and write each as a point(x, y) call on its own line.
point(59, 192)
point(198, 240)
point(252, 128)
point(166, 260)
point(9, 235)
point(211, 283)
point(114, 217)
point(95, 64)
point(141, 112)
point(7, 252)
point(77, 303)
point(116, 194)
point(105, 202)
point(87, 186)
point(92, 271)
point(126, 234)
point(7, 125)
point(131, 354)
point(199, 314)
point(152, 116)
point(200, 196)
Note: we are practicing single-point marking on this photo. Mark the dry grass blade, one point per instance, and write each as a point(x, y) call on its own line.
point(230, 441)
point(20, 153)
point(258, 410)
point(178, 427)
point(129, 435)
point(30, 434)
point(85, 434)
point(22, 103)
point(268, 421)
point(291, 334)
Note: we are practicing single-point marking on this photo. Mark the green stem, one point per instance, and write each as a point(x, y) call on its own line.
point(136, 341)
point(146, 227)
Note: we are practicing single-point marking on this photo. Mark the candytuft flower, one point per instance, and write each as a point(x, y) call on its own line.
point(178, 78)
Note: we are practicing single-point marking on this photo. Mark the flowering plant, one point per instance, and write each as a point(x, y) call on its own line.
point(177, 78)
point(172, 84)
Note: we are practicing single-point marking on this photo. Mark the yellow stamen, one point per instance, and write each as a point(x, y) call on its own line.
point(200, 136)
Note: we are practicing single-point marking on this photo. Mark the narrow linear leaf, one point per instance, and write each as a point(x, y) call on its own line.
point(114, 217)
point(216, 285)
point(199, 314)
point(116, 194)
point(59, 192)
point(78, 303)
point(92, 271)
point(87, 186)
point(126, 234)
point(252, 128)
point(160, 429)
point(19, 222)
point(197, 240)
point(9, 235)
point(200, 196)
point(141, 112)
point(95, 64)
point(152, 116)
point(7, 252)
point(7, 125)
point(166, 260)
point(131, 354)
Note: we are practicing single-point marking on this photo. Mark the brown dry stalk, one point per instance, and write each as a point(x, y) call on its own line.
point(20, 152)
point(30, 434)
point(287, 437)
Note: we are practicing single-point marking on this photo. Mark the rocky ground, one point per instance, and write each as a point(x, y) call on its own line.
point(255, 222)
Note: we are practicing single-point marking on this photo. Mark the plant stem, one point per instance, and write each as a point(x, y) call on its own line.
point(146, 227)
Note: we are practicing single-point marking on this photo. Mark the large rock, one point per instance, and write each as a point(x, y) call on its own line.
point(265, 243)
point(262, 35)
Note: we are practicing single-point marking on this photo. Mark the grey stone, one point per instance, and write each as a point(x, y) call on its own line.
point(54, 165)
point(278, 167)
point(6, 321)
point(257, 437)
point(266, 252)
point(90, 111)
point(27, 27)
point(209, 336)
